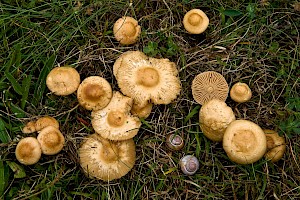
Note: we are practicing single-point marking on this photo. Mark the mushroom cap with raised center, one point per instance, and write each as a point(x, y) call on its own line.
point(115, 122)
point(149, 80)
point(214, 117)
point(195, 21)
point(106, 160)
point(63, 80)
point(209, 85)
point(94, 93)
point(46, 121)
point(275, 146)
point(240, 92)
point(51, 139)
point(28, 151)
point(126, 30)
point(244, 142)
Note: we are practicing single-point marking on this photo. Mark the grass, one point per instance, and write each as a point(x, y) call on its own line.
point(253, 42)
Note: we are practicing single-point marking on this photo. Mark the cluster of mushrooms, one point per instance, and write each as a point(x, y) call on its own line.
point(144, 81)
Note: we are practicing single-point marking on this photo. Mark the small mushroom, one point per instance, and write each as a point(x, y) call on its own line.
point(141, 111)
point(240, 92)
point(126, 30)
point(29, 127)
point(28, 151)
point(45, 121)
point(244, 142)
point(51, 140)
point(195, 21)
point(275, 146)
point(174, 142)
point(189, 164)
point(106, 160)
point(63, 81)
point(115, 122)
point(214, 118)
point(209, 85)
point(94, 93)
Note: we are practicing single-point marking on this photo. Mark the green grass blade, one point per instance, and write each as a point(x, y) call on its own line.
point(4, 178)
point(192, 113)
point(4, 136)
point(25, 85)
point(17, 87)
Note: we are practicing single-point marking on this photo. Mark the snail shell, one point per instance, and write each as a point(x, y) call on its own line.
point(189, 164)
point(174, 142)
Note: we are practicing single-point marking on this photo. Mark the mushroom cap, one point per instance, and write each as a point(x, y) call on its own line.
point(244, 142)
point(51, 139)
point(28, 151)
point(106, 160)
point(209, 85)
point(214, 117)
point(126, 30)
point(149, 80)
point(275, 146)
point(240, 92)
point(94, 93)
point(63, 80)
point(141, 111)
point(46, 121)
point(115, 122)
point(195, 21)
point(29, 127)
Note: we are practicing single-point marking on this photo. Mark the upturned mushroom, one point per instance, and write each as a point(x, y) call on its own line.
point(214, 118)
point(209, 85)
point(240, 92)
point(63, 81)
point(148, 80)
point(115, 122)
point(195, 21)
point(28, 151)
point(275, 146)
point(126, 30)
point(244, 142)
point(94, 93)
point(106, 160)
point(51, 140)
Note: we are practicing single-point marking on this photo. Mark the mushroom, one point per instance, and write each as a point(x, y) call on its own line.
point(141, 111)
point(174, 142)
point(195, 21)
point(46, 121)
point(63, 80)
point(240, 92)
point(214, 118)
point(244, 142)
point(94, 93)
point(106, 160)
point(28, 151)
point(209, 85)
point(29, 127)
point(148, 80)
point(275, 146)
point(115, 122)
point(189, 164)
point(126, 30)
point(51, 140)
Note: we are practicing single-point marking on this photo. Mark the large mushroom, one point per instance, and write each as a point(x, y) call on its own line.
point(51, 140)
point(195, 21)
point(214, 117)
point(115, 122)
point(275, 146)
point(28, 151)
point(106, 160)
point(126, 30)
point(244, 142)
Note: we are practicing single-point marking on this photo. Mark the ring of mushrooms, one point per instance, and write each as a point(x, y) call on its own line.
point(275, 146)
point(244, 142)
point(28, 151)
point(106, 160)
point(195, 21)
point(240, 92)
point(126, 30)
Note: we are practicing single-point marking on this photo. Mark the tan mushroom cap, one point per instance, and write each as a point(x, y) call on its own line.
point(275, 146)
point(29, 127)
point(46, 121)
point(195, 21)
point(141, 111)
point(63, 80)
point(240, 92)
point(106, 160)
point(214, 117)
point(28, 151)
point(126, 30)
point(244, 142)
point(209, 85)
point(94, 93)
point(115, 122)
point(51, 139)
point(149, 80)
